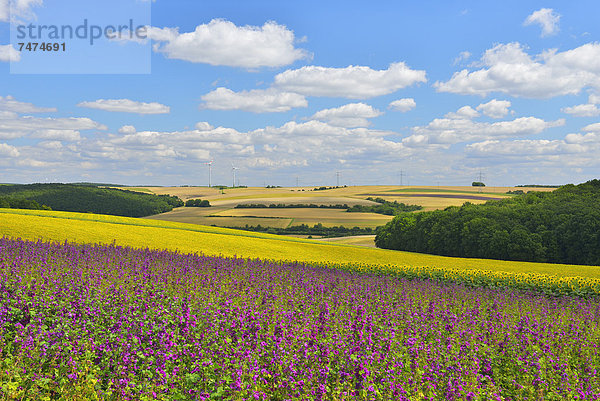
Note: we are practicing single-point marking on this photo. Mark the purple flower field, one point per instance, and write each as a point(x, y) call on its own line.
point(105, 322)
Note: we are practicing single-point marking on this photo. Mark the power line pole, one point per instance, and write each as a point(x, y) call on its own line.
point(480, 180)
point(401, 177)
point(297, 181)
point(337, 174)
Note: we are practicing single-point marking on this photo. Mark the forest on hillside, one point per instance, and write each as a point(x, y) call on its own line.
point(562, 226)
point(86, 199)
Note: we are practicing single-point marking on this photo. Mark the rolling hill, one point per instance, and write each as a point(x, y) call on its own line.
point(190, 238)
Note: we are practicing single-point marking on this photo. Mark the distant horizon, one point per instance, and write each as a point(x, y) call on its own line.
point(287, 186)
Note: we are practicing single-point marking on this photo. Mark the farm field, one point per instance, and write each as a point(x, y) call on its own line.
point(155, 234)
point(429, 203)
point(291, 200)
point(107, 322)
point(355, 192)
point(431, 198)
point(359, 240)
point(327, 217)
point(209, 216)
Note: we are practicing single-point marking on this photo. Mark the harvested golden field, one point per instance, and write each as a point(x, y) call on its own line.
point(429, 203)
point(209, 216)
point(312, 216)
point(224, 202)
point(358, 240)
point(463, 189)
point(337, 195)
point(185, 212)
point(141, 233)
point(365, 223)
point(221, 221)
point(293, 199)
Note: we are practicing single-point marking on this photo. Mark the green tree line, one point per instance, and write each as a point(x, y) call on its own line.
point(197, 203)
point(289, 206)
point(384, 207)
point(304, 229)
point(10, 203)
point(87, 199)
point(558, 227)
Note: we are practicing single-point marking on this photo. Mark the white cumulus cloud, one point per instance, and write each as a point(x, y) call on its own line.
point(57, 134)
point(581, 138)
point(523, 148)
point(349, 115)
point(546, 18)
point(403, 105)
point(463, 56)
point(14, 126)
point(495, 108)
point(127, 129)
point(126, 106)
point(36, 164)
point(204, 126)
point(582, 110)
point(33, 123)
point(592, 128)
point(353, 82)
point(291, 144)
point(257, 101)
point(454, 129)
point(4, 10)
point(221, 42)
point(9, 54)
point(594, 99)
point(465, 112)
point(51, 145)
point(507, 68)
point(9, 103)
point(8, 150)
point(575, 150)
point(20, 9)
point(320, 142)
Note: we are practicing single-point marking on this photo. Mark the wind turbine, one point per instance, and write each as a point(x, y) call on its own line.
point(233, 168)
point(209, 172)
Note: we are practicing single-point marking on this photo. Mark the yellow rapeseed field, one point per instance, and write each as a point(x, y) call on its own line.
point(91, 228)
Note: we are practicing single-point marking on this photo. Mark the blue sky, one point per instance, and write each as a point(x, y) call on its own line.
point(437, 91)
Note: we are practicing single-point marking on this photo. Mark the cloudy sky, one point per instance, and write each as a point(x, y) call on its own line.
point(424, 92)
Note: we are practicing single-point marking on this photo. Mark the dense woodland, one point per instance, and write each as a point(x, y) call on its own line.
point(86, 199)
point(12, 203)
point(560, 227)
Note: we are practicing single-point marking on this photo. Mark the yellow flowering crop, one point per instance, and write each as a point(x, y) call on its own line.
point(190, 238)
